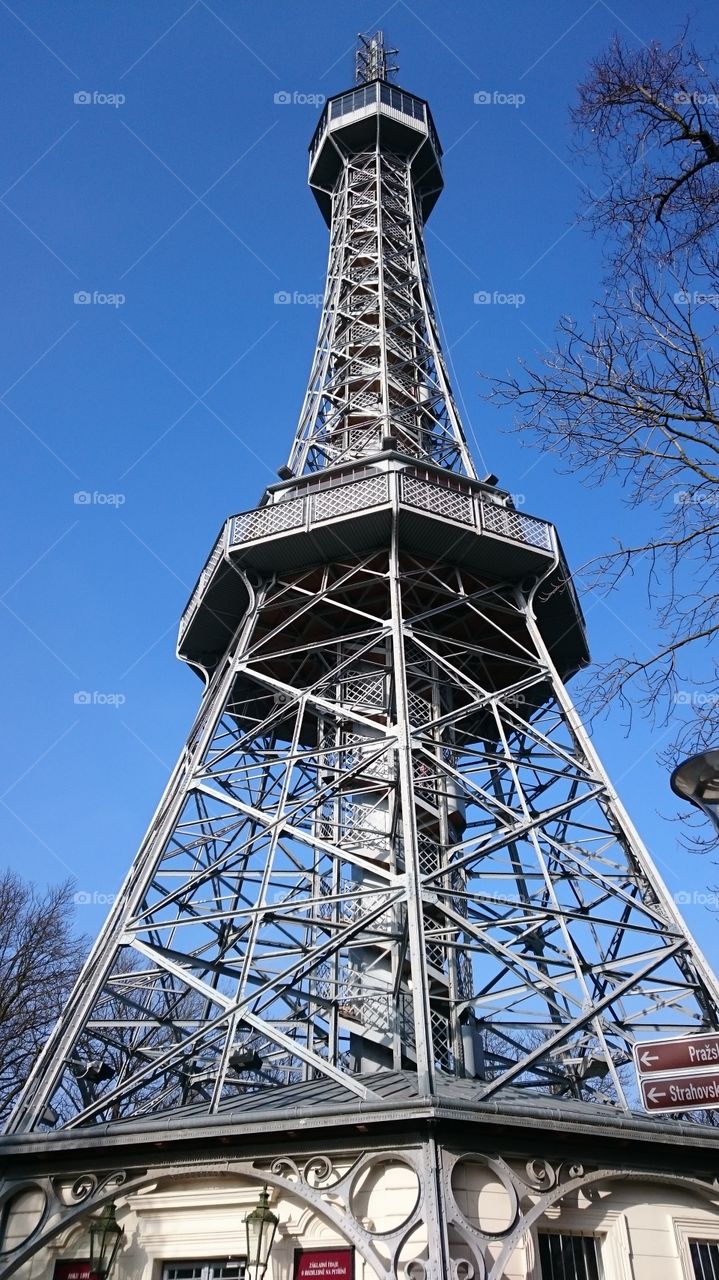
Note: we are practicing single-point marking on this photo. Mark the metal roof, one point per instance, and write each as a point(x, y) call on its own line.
point(325, 1104)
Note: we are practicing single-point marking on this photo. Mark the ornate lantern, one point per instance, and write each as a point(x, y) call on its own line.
point(105, 1239)
point(260, 1225)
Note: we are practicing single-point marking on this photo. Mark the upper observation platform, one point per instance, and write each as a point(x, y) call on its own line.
point(374, 115)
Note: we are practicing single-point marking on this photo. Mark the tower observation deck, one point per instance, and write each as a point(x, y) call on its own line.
point(388, 843)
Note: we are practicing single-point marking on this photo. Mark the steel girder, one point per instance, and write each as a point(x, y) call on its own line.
point(387, 843)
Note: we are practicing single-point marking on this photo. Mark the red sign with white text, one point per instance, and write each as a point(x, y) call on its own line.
point(690, 1053)
point(73, 1269)
point(325, 1264)
point(687, 1091)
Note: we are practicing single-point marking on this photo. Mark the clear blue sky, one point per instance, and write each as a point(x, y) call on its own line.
point(189, 198)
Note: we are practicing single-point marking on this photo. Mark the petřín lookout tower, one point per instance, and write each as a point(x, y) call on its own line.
point(389, 874)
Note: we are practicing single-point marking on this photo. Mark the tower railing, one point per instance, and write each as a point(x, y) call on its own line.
point(393, 102)
point(327, 496)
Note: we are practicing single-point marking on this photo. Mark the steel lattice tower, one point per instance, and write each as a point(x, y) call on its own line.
point(388, 841)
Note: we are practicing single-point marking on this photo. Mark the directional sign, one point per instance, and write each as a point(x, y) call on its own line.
point(691, 1053)
point(688, 1091)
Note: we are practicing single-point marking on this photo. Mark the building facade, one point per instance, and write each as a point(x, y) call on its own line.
point(522, 1190)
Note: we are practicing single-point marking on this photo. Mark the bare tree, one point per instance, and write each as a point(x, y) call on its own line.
point(40, 956)
point(635, 396)
point(139, 1013)
point(651, 118)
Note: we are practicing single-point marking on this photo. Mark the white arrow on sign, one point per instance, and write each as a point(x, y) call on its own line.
point(655, 1095)
point(646, 1059)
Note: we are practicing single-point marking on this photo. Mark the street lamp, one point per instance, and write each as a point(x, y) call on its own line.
point(697, 780)
point(260, 1225)
point(105, 1239)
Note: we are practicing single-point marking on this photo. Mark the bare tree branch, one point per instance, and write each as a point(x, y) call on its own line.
point(651, 117)
point(633, 397)
point(40, 956)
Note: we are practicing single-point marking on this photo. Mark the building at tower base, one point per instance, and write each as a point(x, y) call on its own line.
point(522, 1189)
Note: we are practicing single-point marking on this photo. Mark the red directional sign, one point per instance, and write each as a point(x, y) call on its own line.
point(689, 1091)
point(691, 1053)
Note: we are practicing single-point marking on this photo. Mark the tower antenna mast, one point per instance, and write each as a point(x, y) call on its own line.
point(373, 60)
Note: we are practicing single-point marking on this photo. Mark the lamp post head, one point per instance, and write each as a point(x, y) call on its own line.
point(105, 1238)
point(697, 780)
point(260, 1225)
